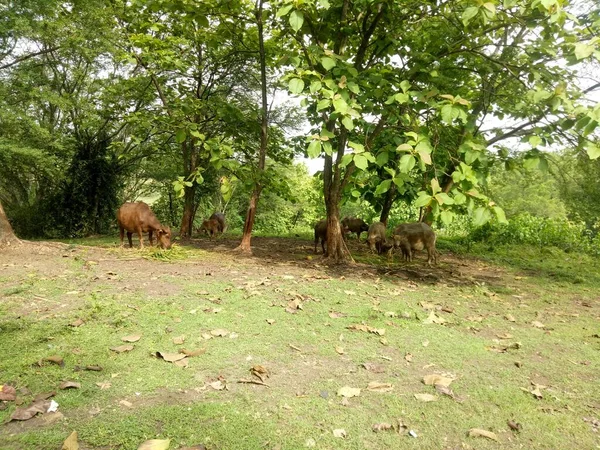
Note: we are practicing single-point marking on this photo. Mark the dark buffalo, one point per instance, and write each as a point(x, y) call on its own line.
point(410, 237)
point(354, 225)
point(138, 218)
point(376, 238)
point(219, 217)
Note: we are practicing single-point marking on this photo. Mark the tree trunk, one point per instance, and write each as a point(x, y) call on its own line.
point(190, 163)
point(7, 236)
point(387, 204)
point(251, 214)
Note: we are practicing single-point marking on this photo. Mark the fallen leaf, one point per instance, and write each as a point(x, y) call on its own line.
point(514, 425)
point(219, 332)
point(44, 396)
point(7, 393)
point(339, 433)
point(349, 292)
point(183, 363)
point(336, 315)
point(537, 324)
point(504, 336)
point(155, 444)
point(270, 321)
point(217, 385)
point(408, 357)
point(435, 379)
point(179, 340)
point(131, 338)
point(170, 357)
point(444, 390)
point(122, 348)
point(477, 432)
point(69, 385)
point(339, 350)
point(372, 367)
point(293, 347)
point(260, 372)
point(26, 413)
point(375, 386)
point(77, 323)
point(433, 318)
point(381, 427)
point(206, 336)
point(510, 318)
point(252, 381)
point(390, 314)
point(426, 397)
point(55, 360)
point(191, 353)
point(383, 341)
point(425, 343)
point(71, 442)
point(126, 403)
point(104, 385)
point(93, 368)
point(310, 443)
point(348, 392)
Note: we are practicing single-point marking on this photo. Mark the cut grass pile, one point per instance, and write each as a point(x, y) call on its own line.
point(498, 337)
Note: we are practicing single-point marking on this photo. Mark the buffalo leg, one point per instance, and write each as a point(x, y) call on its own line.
point(139, 232)
point(150, 238)
point(129, 234)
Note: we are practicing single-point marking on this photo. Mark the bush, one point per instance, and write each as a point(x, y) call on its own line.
point(542, 232)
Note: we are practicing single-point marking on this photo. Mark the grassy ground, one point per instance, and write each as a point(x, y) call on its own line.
point(543, 305)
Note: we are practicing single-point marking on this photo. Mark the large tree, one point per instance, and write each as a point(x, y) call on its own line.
point(433, 74)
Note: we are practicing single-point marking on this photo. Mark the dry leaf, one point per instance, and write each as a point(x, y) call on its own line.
point(433, 318)
point(339, 350)
point(126, 403)
point(408, 357)
point(434, 380)
point(55, 360)
point(71, 442)
point(217, 385)
point(336, 315)
point(249, 381)
point(122, 348)
point(381, 427)
point(69, 385)
point(372, 367)
point(219, 333)
point(510, 318)
point(348, 392)
point(514, 425)
point(260, 372)
point(131, 338)
point(349, 292)
point(206, 336)
point(183, 363)
point(44, 396)
point(444, 390)
point(339, 433)
point(155, 444)
point(191, 353)
point(383, 341)
point(390, 314)
point(26, 413)
point(103, 385)
point(7, 393)
point(93, 368)
point(477, 432)
point(425, 343)
point(426, 397)
point(375, 386)
point(270, 321)
point(179, 340)
point(537, 324)
point(77, 323)
point(504, 336)
point(170, 357)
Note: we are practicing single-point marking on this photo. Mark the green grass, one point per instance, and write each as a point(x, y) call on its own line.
point(168, 299)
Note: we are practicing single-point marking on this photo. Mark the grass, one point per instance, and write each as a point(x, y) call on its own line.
point(196, 291)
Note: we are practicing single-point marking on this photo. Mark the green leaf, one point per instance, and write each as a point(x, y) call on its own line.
point(324, 3)
point(296, 85)
point(468, 14)
point(284, 10)
point(593, 151)
point(459, 198)
point(198, 135)
point(425, 156)
point(315, 86)
point(447, 217)
point(447, 111)
point(481, 216)
point(296, 20)
point(423, 200)
point(348, 124)
point(500, 214)
point(327, 147)
point(404, 148)
point(355, 193)
point(180, 135)
point(328, 63)
point(407, 162)
point(490, 7)
point(435, 186)
point(444, 199)
point(401, 98)
point(531, 163)
point(314, 148)
point(325, 103)
point(353, 87)
point(405, 85)
point(340, 105)
point(360, 161)
point(384, 157)
point(346, 159)
point(358, 148)
point(535, 141)
point(383, 187)
point(398, 181)
point(583, 50)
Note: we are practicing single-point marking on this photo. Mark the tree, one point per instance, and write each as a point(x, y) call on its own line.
point(432, 73)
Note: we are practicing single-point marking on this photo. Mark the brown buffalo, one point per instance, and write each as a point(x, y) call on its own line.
point(376, 238)
point(212, 227)
point(219, 217)
point(354, 225)
point(138, 218)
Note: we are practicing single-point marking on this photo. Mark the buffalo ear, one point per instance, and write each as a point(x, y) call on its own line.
point(159, 232)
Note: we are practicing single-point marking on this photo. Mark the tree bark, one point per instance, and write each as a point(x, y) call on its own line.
point(388, 202)
point(190, 162)
point(7, 235)
point(251, 213)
